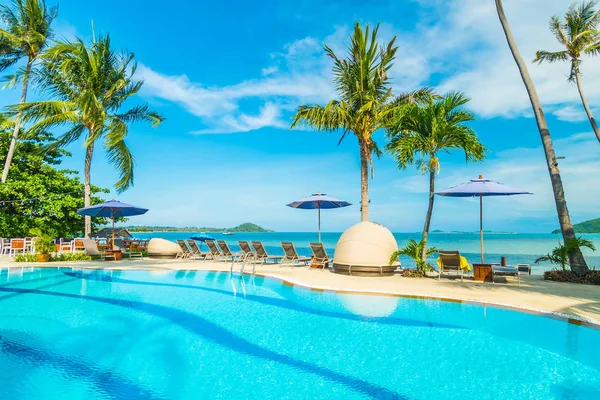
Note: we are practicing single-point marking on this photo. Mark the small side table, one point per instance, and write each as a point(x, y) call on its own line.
point(482, 272)
point(116, 253)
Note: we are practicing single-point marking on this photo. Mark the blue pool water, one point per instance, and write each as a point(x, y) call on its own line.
point(72, 334)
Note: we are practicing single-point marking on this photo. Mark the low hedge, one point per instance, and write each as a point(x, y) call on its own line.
point(557, 275)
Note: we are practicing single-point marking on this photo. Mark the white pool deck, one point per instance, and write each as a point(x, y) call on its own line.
point(579, 304)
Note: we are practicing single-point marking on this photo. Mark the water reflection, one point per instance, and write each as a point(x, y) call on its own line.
point(369, 305)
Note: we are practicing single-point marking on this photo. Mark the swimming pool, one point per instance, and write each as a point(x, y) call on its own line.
point(72, 334)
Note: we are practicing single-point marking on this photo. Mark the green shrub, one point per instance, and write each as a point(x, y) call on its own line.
point(560, 254)
point(25, 258)
point(43, 242)
point(79, 256)
point(58, 257)
point(414, 251)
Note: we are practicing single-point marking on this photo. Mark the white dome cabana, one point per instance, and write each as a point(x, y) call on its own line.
point(161, 248)
point(365, 250)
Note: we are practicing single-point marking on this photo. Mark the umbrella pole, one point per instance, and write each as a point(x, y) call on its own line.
point(481, 225)
point(113, 230)
point(319, 213)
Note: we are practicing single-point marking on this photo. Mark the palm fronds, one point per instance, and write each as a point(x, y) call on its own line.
point(560, 254)
point(578, 34)
point(90, 83)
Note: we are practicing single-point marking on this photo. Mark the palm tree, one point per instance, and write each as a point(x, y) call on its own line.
point(423, 130)
point(415, 251)
point(560, 254)
point(89, 85)
point(576, 260)
point(27, 34)
point(365, 100)
point(579, 36)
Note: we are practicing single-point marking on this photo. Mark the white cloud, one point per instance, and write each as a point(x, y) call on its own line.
point(456, 45)
point(269, 70)
point(298, 75)
point(269, 115)
point(572, 113)
point(479, 62)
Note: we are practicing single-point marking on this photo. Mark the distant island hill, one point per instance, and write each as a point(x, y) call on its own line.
point(591, 226)
point(245, 227)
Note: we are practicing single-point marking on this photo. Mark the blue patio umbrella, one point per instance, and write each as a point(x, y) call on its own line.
point(481, 187)
point(112, 209)
point(319, 201)
point(202, 238)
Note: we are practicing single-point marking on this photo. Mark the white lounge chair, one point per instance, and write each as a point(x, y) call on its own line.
point(91, 249)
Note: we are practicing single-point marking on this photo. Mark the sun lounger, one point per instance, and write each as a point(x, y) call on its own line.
point(320, 257)
point(213, 251)
point(449, 261)
point(248, 253)
point(262, 256)
point(91, 249)
point(195, 250)
point(227, 253)
point(291, 255)
point(184, 252)
point(505, 271)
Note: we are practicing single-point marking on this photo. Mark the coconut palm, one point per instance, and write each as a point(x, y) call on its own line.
point(578, 35)
point(425, 129)
point(576, 259)
point(25, 35)
point(560, 254)
point(365, 100)
point(89, 86)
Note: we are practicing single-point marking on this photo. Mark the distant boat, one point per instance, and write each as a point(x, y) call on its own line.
point(226, 233)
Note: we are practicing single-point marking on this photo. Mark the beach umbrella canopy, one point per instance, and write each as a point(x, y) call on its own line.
point(112, 209)
point(481, 188)
point(319, 201)
point(202, 238)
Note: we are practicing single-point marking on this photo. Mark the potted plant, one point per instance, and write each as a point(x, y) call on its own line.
point(43, 244)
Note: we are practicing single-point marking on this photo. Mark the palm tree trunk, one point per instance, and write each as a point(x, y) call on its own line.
point(364, 180)
point(15, 136)
point(429, 213)
point(87, 198)
point(586, 106)
point(576, 260)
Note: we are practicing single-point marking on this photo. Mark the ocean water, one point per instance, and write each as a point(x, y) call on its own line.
point(94, 335)
point(518, 248)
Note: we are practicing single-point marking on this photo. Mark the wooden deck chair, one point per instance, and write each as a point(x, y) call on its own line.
point(227, 253)
point(320, 256)
point(291, 255)
point(196, 252)
point(261, 255)
point(213, 251)
point(450, 261)
point(184, 252)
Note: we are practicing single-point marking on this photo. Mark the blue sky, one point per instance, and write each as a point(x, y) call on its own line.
point(228, 76)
